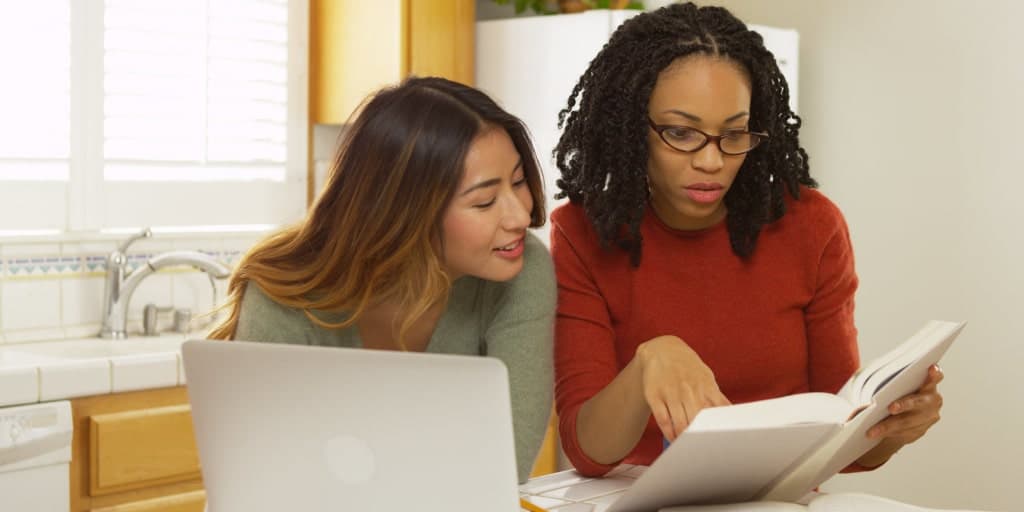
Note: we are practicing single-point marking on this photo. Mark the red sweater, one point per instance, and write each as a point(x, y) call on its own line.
point(778, 324)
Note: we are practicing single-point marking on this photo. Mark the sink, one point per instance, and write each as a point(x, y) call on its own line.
point(89, 348)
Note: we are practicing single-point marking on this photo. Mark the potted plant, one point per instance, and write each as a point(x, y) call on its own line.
point(569, 6)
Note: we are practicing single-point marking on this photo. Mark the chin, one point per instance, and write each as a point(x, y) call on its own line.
point(503, 274)
point(699, 211)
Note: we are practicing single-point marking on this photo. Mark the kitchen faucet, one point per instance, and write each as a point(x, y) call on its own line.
point(119, 287)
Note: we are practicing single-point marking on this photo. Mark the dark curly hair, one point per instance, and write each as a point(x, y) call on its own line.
point(602, 153)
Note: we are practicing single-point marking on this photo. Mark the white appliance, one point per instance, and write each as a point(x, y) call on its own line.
point(35, 454)
point(529, 65)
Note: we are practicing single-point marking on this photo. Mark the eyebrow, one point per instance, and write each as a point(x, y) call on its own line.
point(697, 119)
point(491, 182)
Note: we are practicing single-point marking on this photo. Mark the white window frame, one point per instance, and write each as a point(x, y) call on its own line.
point(86, 203)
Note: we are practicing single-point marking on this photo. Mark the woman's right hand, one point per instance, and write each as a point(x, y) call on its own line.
point(676, 383)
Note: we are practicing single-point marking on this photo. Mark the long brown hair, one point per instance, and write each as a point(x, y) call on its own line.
point(375, 234)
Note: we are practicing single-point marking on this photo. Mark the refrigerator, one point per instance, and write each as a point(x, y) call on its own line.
point(529, 65)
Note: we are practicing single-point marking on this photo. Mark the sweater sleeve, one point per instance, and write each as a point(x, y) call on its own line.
point(585, 355)
point(520, 335)
point(831, 333)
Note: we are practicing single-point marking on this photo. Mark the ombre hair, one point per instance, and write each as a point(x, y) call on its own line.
point(375, 232)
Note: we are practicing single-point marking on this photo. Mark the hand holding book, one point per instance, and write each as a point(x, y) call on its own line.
point(910, 417)
point(779, 449)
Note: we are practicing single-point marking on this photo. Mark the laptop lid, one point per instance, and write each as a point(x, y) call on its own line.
point(285, 427)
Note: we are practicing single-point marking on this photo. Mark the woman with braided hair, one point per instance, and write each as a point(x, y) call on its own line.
point(697, 265)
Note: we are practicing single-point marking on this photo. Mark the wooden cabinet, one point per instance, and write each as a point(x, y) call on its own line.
point(135, 452)
point(356, 47)
point(441, 39)
point(547, 458)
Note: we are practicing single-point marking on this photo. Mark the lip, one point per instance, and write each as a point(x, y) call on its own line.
point(705, 186)
point(515, 252)
point(705, 193)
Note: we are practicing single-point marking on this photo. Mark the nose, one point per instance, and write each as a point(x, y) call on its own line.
point(708, 159)
point(517, 213)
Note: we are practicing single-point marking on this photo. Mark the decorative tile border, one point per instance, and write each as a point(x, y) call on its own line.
point(230, 258)
point(94, 264)
point(42, 266)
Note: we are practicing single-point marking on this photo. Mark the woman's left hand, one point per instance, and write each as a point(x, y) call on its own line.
point(910, 417)
point(913, 414)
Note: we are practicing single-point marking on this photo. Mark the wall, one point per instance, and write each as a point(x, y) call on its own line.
point(911, 116)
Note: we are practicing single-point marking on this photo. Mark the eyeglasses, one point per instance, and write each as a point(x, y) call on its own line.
point(690, 140)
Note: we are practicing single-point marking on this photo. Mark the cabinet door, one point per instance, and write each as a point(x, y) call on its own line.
point(441, 39)
point(134, 449)
point(141, 448)
point(186, 502)
point(356, 47)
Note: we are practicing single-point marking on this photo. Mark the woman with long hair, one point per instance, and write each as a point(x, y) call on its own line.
point(697, 265)
point(419, 242)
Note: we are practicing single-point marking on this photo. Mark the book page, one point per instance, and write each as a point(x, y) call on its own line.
point(777, 412)
point(839, 502)
point(852, 442)
point(857, 502)
point(936, 336)
point(846, 445)
point(750, 506)
point(727, 466)
point(854, 388)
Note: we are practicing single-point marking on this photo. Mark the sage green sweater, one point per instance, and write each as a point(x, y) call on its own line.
point(512, 321)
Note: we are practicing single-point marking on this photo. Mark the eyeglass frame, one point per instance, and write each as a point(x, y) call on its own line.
point(708, 138)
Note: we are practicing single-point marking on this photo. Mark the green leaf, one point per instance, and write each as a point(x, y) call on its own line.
point(537, 6)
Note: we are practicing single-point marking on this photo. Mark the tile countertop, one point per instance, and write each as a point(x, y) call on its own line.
point(56, 370)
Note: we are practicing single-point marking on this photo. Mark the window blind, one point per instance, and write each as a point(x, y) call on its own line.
point(35, 93)
point(118, 113)
point(195, 90)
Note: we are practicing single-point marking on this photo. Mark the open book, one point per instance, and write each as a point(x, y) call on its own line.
point(840, 502)
point(781, 449)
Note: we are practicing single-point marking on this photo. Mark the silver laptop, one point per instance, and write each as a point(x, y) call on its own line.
point(283, 427)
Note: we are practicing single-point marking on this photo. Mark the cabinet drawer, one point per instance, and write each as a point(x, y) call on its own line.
point(186, 502)
point(140, 448)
